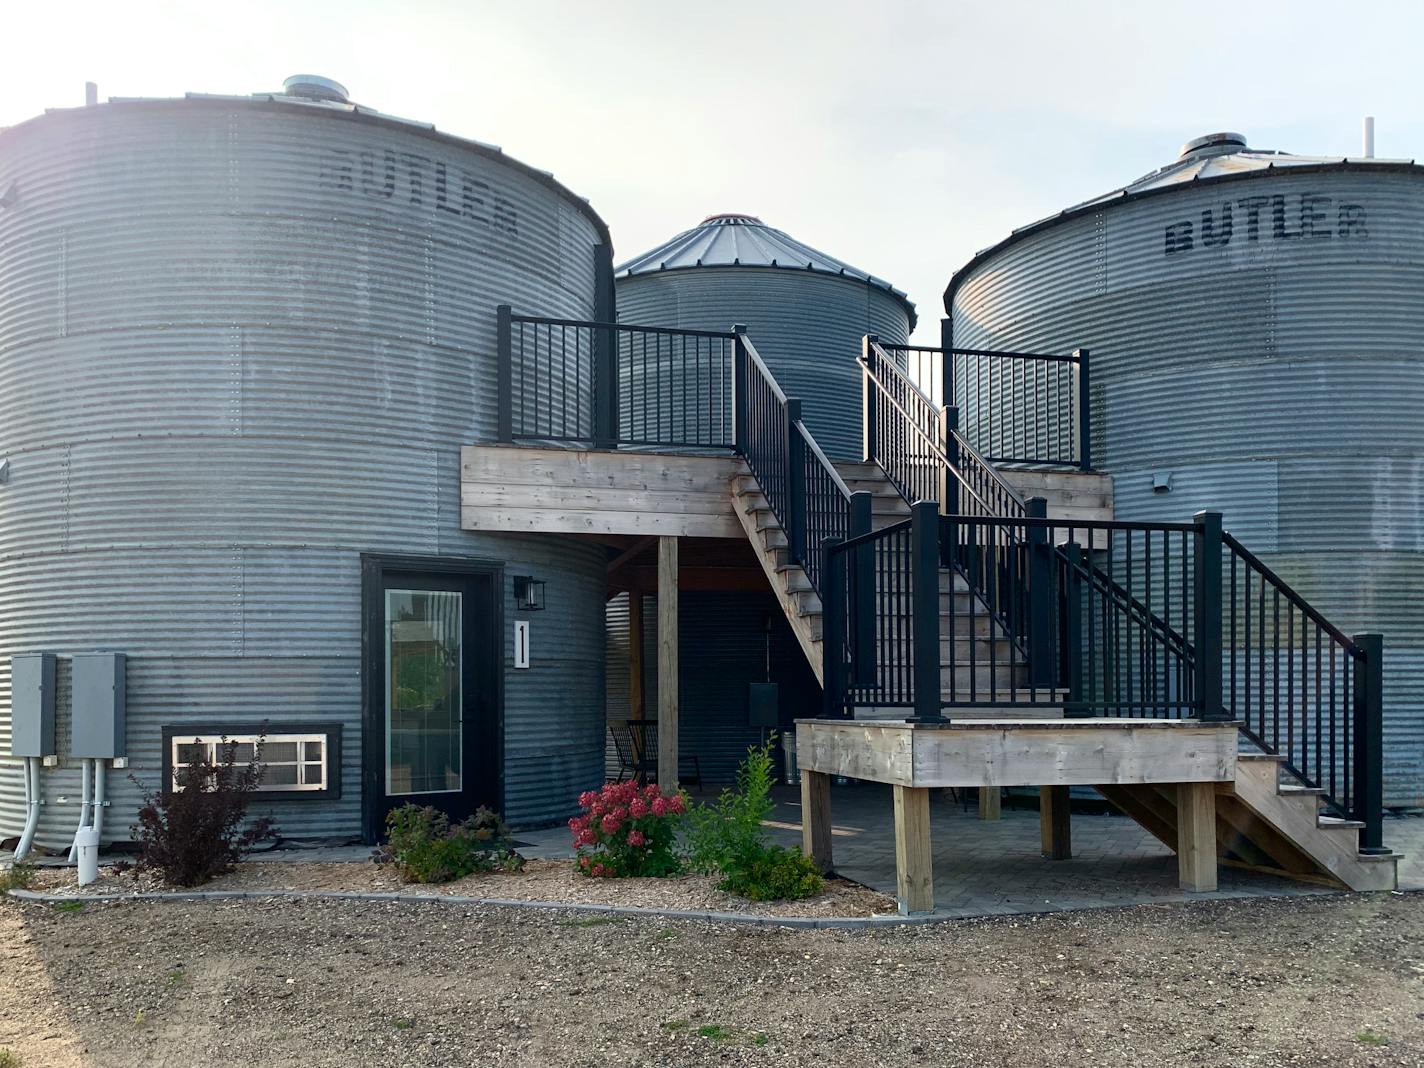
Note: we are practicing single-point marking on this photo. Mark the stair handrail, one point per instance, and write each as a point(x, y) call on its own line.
point(1345, 756)
point(1025, 390)
point(873, 357)
point(801, 485)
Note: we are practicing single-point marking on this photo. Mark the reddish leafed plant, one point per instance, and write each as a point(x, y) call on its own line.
point(628, 830)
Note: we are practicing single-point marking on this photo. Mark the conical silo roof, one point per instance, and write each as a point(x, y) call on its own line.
point(738, 240)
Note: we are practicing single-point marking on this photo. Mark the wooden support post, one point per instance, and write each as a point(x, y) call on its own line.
point(990, 802)
point(667, 663)
point(816, 818)
point(636, 705)
point(1196, 835)
point(1055, 829)
point(914, 860)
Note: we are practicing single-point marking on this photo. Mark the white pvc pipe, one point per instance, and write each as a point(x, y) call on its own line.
point(88, 841)
point(84, 819)
point(32, 807)
point(1369, 137)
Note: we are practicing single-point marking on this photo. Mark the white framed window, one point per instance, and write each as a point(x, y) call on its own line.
point(290, 763)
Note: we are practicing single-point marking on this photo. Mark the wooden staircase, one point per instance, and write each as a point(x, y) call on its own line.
point(802, 605)
point(1267, 822)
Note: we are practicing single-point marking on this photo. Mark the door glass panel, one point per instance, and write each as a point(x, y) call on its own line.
point(423, 699)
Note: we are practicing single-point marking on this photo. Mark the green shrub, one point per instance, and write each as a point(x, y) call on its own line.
point(425, 847)
point(779, 874)
point(728, 832)
point(17, 876)
point(727, 838)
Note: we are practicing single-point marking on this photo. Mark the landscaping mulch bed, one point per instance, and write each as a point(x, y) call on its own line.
point(541, 880)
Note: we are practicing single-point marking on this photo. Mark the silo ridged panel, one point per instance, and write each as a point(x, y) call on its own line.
point(242, 342)
point(1278, 380)
point(807, 327)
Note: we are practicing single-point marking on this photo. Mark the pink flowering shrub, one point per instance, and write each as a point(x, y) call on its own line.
point(627, 830)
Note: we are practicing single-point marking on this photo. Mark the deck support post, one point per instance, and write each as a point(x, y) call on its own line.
point(667, 663)
point(990, 802)
point(1055, 828)
point(816, 819)
point(1196, 836)
point(914, 860)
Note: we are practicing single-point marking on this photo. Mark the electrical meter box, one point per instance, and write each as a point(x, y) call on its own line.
point(97, 722)
point(763, 705)
point(32, 705)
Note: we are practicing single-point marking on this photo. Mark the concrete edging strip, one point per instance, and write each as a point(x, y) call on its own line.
point(801, 922)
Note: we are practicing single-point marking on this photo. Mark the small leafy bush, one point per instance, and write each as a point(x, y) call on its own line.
point(193, 832)
point(16, 877)
point(425, 847)
point(626, 830)
point(726, 838)
point(778, 874)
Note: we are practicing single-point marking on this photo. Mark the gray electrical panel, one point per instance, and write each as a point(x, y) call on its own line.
point(32, 705)
point(97, 722)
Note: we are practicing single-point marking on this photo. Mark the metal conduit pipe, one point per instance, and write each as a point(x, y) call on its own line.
point(97, 820)
point(32, 807)
point(83, 808)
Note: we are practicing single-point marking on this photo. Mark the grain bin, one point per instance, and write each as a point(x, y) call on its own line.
point(1257, 340)
point(805, 311)
point(242, 339)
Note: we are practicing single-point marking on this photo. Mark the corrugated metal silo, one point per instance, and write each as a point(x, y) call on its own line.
point(805, 311)
point(241, 342)
point(1257, 333)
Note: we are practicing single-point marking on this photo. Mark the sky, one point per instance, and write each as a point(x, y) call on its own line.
point(901, 137)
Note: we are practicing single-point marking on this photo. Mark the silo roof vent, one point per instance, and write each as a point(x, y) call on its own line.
point(315, 87)
point(1213, 144)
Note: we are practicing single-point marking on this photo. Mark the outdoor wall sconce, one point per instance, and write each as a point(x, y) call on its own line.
point(528, 593)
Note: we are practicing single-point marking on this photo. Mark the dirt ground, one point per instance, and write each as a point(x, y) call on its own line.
point(540, 880)
point(1306, 981)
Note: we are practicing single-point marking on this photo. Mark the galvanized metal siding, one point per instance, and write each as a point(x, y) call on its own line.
point(722, 647)
point(1279, 381)
point(806, 326)
point(230, 362)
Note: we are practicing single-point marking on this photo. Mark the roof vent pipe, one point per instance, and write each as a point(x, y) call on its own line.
point(1369, 137)
point(314, 87)
point(91, 94)
point(1213, 144)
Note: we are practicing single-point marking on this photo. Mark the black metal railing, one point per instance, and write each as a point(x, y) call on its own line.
point(1301, 688)
point(979, 599)
point(805, 492)
point(1014, 407)
point(610, 384)
point(1037, 612)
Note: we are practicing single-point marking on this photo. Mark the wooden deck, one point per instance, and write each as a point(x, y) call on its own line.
point(569, 491)
point(915, 758)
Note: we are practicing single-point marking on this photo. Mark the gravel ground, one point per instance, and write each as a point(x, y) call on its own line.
point(541, 880)
point(1317, 981)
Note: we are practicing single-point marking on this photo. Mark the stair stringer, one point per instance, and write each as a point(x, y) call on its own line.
point(788, 581)
point(1263, 825)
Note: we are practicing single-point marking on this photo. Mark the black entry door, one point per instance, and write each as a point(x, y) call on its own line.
point(432, 694)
